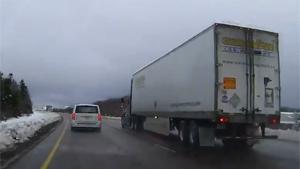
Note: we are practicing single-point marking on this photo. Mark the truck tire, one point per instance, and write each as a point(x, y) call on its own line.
point(137, 123)
point(184, 132)
point(122, 122)
point(133, 123)
point(140, 123)
point(194, 134)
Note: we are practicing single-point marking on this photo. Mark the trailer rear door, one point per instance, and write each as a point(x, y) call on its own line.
point(232, 70)
point(266, 73)
point(247, 71)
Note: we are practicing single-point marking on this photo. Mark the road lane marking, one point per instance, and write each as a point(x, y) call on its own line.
point(165, 148)
point(54, 149)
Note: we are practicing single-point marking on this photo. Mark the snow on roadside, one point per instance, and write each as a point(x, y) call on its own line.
point(19, 130)
point(291, 135)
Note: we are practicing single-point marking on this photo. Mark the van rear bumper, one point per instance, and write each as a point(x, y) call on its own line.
point(76, 124)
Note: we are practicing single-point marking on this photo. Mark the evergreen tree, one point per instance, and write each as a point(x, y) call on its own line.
point(26, 104)
point(15, 98)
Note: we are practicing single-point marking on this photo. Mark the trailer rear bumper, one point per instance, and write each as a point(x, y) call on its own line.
point(249, 137)
point(250, 119)
point(241, 131)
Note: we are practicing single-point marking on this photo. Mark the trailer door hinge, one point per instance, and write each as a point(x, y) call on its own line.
point(243, 109)
point(257, 110)
point(219, 83)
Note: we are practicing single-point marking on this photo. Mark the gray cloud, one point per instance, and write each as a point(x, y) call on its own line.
point(71, 51)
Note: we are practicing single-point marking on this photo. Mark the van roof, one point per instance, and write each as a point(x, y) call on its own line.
point(86, 105)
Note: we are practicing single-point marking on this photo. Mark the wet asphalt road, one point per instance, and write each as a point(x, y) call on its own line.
point(116, 148)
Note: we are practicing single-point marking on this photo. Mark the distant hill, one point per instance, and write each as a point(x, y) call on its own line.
point(111, 107)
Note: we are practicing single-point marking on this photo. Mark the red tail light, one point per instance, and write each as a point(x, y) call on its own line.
point(73, 116)
point(223, 119)
point(99, 117)
point(274, 119)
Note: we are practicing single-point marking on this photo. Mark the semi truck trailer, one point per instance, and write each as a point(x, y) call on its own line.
point(223, 83)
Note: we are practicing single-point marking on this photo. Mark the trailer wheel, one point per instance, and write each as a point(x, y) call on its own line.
point(184, 132)
point(137, 123)
point(140, 123)
point(194, 134)
point(133, 123)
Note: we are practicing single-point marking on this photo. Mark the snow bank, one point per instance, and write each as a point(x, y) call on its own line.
point(291, 135)
point(18, 130)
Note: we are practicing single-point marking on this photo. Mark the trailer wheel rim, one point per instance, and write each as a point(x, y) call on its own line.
point(180, 135)
point(191, 138)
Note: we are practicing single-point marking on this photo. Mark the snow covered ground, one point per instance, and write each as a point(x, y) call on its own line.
point(291, 135)
point(18, 130)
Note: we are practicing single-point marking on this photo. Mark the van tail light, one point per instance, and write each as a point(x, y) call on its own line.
point(223, 119)
point(274, 119)
point(73, 116)
point(99, 117)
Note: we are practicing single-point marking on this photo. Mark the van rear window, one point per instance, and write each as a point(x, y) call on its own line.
point(86, 109)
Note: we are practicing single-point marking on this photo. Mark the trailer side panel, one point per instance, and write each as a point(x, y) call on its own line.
point(180, 84)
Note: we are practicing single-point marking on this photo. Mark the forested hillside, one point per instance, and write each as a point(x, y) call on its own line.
point(111, 107)
point(15, 97)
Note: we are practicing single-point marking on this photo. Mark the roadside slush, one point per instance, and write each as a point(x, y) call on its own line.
point(287, 135)
point(12, 154)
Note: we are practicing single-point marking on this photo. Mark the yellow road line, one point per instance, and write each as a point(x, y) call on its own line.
point(54, 149)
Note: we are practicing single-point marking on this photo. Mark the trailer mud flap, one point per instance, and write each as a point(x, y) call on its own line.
point(158, 125)
point(207, 136)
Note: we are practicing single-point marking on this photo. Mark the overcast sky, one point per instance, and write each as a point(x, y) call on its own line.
point(71, 51)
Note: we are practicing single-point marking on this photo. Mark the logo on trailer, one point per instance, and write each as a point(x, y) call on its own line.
point(234, 100)
point(234, 45)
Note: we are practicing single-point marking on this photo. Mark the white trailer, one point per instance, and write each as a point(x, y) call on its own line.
point(222, 83)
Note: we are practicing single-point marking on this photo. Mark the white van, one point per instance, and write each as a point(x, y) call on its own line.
point(86, 116)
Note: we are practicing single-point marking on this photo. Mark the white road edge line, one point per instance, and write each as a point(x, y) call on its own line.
point(165, 148)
